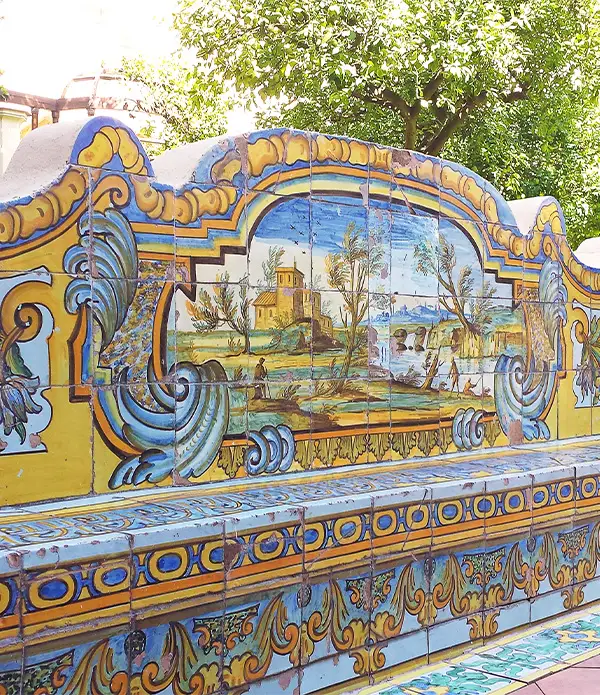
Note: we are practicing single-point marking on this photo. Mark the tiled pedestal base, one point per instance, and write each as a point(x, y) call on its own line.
point(325, 587)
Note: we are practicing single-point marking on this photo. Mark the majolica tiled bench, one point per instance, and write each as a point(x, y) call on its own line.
point(282, 413)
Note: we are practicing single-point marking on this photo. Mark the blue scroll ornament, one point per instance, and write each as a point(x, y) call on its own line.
point(522, 392)
point(184, 429)
point(113, 260)
point(272, 451)
point(467, 428)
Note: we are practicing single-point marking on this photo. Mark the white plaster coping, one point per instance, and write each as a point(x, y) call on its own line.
point(39, 160)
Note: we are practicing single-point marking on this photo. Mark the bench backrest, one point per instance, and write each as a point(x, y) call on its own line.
point(273, 304)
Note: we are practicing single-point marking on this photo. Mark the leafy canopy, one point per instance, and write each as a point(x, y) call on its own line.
point(189, 112)
point(507, 87)
point(410, 72)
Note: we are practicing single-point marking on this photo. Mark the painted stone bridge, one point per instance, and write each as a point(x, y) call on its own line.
point(282, 413)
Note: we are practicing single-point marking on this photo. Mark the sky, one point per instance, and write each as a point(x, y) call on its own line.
point(45, 43)
point(293, 222)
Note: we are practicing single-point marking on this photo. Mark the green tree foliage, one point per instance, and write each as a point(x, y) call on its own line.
point(530, 149)
point(191, 109)
point(507, 87)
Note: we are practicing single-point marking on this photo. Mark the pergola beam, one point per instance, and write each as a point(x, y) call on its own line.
point(36, 102)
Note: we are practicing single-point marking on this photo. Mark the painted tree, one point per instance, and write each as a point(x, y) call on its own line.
point(472, 308)
point(209, 313)
point(348, 272)
point(269, 266)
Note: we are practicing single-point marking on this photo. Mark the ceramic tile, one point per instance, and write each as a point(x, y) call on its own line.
point(407, 649)
point(11, 583)
point(414, 251)
point(258, 550)
point(113, 236)
point(587, 592)
point(40, 434)
point(11, 671)
point(73, 187)
point(553, 496)
point(505, 619)
point(504, 656)
point(379, 336)
point(154, 435)
point(457, 582)
point(380, 178)
point(519, 667)
point(286, 683)
point(333, 671)
point(503, 326)
point(74, 588)
point(565, 641)
point(451, 676)
point(212, 230)
point(198, 636)
point(379, 422)
point(210, 322)
point(281, 239)
point(405, 168)
point(586, 480)
point(120, 352)
point(354, 194)
point(271, 617)
point(400, 530)
point(287, 306)
point(510, 500)
point(201, 564)
point(32, 329)
point(27, 415)
point(379, 242)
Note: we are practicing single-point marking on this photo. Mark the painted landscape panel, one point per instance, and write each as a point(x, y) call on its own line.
point(344, 309)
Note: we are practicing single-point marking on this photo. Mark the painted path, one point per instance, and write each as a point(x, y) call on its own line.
point(558, 657)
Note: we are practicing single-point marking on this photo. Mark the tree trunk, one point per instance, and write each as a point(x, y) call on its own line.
point(430, 374)
point(467, 325)
point(410, 134)
point(246, 335)
point(349, 350)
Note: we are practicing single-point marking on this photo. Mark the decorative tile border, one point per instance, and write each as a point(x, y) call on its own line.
point(135, 511)
point(251, 618)
point(149, 569)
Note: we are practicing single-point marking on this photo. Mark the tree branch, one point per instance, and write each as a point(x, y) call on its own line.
point(430, 89)
point(383, 97)
point(453, 123)
point(516, 95)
